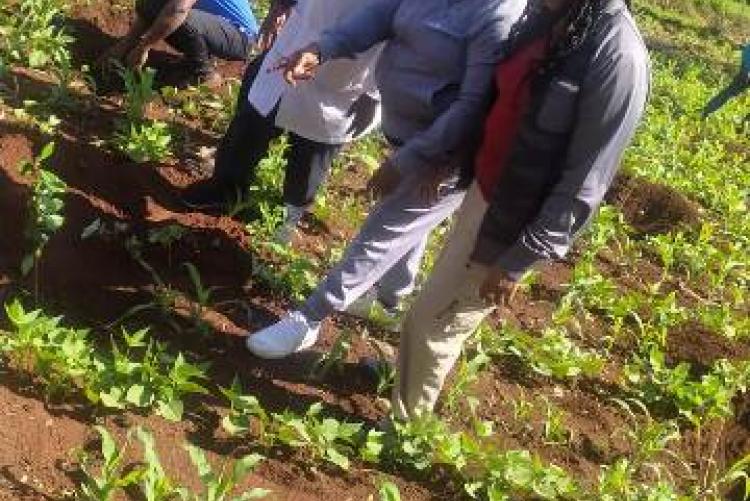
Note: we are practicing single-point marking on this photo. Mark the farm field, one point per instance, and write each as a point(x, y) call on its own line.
point(620, 373)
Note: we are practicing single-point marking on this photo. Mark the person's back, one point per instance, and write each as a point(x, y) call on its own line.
point(236, 11)
point(199, 29)
point(320, 110)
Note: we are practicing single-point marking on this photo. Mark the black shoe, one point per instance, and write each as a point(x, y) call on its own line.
point(206, 194)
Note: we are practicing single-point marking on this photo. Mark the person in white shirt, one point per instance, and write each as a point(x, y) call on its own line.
point(340, 105)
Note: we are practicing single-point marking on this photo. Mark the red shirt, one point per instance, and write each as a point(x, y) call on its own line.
point(501, 126)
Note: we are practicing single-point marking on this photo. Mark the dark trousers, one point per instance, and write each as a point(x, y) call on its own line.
point(201, 36)
point(246, 143)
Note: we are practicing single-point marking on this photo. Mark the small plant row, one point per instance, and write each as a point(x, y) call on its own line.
point(112, 477)
point(418, 445)
point(552, 354)
point(485, 470)
point(137, 372)
point(697, 400)
point(107, 477)
point(140, 138)
point(31, 33)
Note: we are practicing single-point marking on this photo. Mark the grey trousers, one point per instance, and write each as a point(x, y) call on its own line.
point(387, 252)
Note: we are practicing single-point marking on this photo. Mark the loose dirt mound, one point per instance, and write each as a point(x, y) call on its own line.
point(652, 208)
point(701, 348)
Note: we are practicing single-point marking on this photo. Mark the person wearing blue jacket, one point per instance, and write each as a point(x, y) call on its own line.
point(740, 83)
point(199, 29)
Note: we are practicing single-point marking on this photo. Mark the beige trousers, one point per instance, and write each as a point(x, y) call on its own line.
point(448, 310)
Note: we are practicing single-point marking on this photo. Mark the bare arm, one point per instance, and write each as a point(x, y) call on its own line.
point(169, 19)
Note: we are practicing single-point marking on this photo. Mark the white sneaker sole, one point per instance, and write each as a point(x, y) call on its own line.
point(267, 354)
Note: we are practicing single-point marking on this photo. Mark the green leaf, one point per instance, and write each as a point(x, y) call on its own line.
point(47, 152)
point(136, 395)
point(112, 398)
point(337, 458)
point(109, 448)
point(255, 493)
point(171, 410)
point(389, 492)
point(246, 464)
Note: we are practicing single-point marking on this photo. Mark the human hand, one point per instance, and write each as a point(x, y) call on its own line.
point(384, 181)
point(137, 57)
point(113, 54)
point(300, 66)
point(498, 288)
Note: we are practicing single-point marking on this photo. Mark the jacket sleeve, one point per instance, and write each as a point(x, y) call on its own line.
point(612, 100)
point(433, 148)
point(359, 31)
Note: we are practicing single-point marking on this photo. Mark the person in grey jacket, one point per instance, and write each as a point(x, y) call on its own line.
point(435, 81)
point(585, 72)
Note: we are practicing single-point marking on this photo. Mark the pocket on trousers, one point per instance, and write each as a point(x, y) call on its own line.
point(558, 109)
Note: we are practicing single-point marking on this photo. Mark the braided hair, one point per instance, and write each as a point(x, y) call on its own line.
point(577, 22)
point(576, 26)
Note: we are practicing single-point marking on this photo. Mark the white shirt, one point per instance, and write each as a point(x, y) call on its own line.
point(318, 109)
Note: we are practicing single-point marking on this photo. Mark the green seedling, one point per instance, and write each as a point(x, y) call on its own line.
point(31, 34)
point(110, 479)
point(153, 380)
point(167, 236)
point(153, 481)
point(334, 359)
point(467, 373)
point(319, 437)
point(554, 354)
point(218, 486)
point(555, 431)
point(388, 491)
point(149, 141)
point(243, 411)
point(139, 87)
point(202, 302)
point(45, 209)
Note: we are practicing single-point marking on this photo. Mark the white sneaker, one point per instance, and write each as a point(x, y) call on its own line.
point(291, 334)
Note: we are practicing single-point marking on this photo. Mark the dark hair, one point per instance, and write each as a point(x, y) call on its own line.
point(576, 21)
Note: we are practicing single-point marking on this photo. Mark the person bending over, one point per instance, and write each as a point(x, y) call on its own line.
point(199, 29)
point(435, 82)
point(340, 105)
point(569, 100)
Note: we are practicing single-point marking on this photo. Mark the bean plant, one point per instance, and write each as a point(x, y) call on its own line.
point(31, 33)
point(140, 138)
point(140, 375)
point(45, 209)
